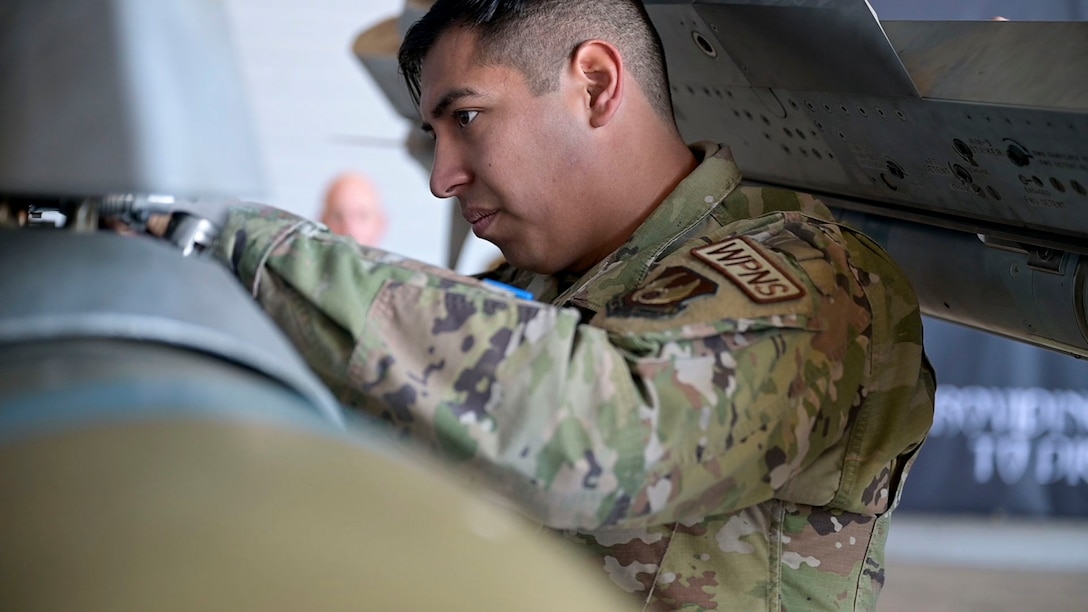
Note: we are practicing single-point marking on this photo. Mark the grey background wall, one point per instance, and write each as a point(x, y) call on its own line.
point(316, 113)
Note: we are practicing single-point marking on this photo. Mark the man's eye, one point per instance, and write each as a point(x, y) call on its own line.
point(465, 117)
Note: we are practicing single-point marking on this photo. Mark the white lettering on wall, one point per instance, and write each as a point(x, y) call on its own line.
point(1013, 434)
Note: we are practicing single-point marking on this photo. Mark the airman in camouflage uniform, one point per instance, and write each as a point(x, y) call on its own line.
point(722, 410)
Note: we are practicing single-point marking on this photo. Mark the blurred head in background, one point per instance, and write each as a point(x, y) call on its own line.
point(353, 208)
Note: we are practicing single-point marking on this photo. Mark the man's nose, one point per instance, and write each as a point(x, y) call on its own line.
point(449, 174)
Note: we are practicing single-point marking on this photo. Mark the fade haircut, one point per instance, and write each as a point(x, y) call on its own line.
point(539, 37)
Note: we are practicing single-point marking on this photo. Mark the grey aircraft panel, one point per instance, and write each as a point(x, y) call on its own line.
point(980, 10)
point(108, 96)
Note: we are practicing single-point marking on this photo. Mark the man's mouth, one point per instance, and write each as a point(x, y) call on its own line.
point(480, 220)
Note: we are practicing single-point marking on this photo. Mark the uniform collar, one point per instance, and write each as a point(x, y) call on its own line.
point(686, 207)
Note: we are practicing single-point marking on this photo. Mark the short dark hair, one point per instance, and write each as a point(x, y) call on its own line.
point(538, 37)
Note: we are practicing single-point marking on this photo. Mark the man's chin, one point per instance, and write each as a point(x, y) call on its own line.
point(515, 254)
point(519, 259)
point(535, 266)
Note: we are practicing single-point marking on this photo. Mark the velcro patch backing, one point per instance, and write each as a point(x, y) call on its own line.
point(743, 261)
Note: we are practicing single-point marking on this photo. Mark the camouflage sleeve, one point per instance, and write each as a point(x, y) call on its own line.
point(587, 426)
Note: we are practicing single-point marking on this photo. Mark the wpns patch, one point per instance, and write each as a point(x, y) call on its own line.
point(742, 261)
point(665, 296)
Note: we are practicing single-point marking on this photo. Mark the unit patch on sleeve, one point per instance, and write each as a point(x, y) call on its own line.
point(742, 261)
point(666, 295)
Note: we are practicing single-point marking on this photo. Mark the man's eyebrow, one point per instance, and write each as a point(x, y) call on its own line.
point(440, 108)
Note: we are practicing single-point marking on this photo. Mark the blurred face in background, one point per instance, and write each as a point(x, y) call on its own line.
point(353, 208)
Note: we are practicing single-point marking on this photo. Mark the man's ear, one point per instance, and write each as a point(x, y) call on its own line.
point(598, 70)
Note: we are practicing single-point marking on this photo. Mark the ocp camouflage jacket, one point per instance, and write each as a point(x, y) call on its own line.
point(722, 411)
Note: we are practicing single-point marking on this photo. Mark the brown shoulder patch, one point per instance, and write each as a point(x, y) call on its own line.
point(743, 261)
point(667, 294)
